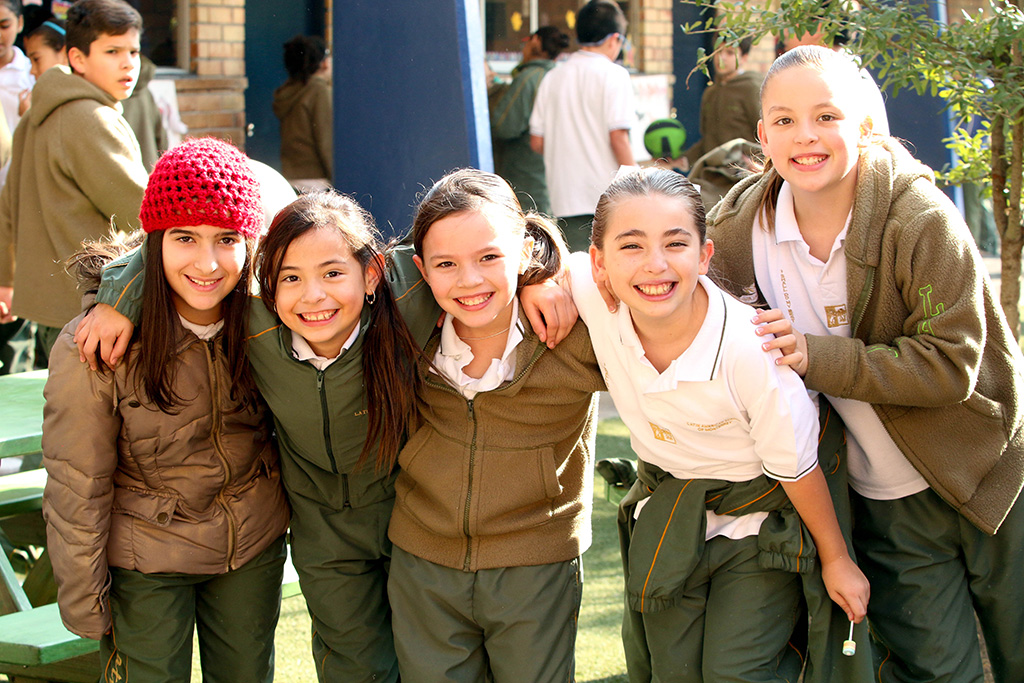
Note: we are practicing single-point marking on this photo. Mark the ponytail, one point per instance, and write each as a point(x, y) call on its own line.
point(549, 250)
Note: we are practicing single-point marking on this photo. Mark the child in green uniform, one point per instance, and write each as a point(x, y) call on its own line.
point(880, 299)
point(493, 497)
point(328, 350)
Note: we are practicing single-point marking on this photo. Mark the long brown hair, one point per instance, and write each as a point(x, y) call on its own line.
point(389, 351)
point(470, 189)
point(156, 360)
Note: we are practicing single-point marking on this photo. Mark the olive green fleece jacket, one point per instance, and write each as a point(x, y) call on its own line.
point(76, 168)
point(504, 479)
point(728, 110)
point(931, 350)
point(320, 416)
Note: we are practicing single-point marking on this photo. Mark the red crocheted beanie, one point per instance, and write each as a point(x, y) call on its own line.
point(204, 181)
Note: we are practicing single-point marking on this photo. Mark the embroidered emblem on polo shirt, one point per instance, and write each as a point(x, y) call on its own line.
point(662, 434)
point(711, 427)
point(749, 295)
point(837, 316)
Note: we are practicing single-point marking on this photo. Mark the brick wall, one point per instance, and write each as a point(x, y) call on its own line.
point(654, 39)
point(212, 102)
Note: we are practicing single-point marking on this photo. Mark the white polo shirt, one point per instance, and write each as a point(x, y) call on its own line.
point(579, 103)
point(813, 295)
point(721, 410)
point(301, 350)
point(453, 355)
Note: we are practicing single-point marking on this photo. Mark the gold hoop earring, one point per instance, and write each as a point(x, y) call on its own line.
point(371, 297)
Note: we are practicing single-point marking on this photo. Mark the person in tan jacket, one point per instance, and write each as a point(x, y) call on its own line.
point(77, 172)
point(164, 504)
point(304, 106)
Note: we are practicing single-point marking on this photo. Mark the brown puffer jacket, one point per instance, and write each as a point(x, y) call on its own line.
point(197, 492)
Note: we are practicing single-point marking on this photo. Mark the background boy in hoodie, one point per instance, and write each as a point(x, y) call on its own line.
point(731, 105)
point(77, 170)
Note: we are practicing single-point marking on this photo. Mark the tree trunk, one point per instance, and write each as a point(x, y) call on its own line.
point(1011, 263)
point(1010, 237)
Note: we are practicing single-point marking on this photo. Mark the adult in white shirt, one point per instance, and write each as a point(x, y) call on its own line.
point(581, 120)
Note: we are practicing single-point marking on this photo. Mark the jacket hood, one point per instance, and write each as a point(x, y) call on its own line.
point(753, 76)
point(57, 87)
point(289, 95)
point(146, 74)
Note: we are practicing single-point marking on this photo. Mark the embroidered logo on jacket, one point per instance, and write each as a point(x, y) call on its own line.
point(925, 326)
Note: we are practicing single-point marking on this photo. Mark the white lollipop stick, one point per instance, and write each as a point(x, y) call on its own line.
point(849, 646)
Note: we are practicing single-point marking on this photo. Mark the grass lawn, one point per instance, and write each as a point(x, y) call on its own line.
point(599, 656)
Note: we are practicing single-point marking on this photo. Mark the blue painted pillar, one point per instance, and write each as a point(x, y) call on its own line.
point(410, 100)
point(919, 119)
point(686, 96)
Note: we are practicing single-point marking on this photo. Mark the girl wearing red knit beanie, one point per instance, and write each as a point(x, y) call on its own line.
point(164, 504)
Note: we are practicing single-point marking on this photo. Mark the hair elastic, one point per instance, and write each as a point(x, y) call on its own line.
point(55, 27)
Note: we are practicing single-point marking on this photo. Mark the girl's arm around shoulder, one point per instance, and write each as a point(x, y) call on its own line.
point(925, 321)
point(585, 293)
point(81, 425)
point(412, 294)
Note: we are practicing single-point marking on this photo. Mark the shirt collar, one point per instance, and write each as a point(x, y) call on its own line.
point(204, 332)
point(452, 345)
point(301, 350)
point(786, 228)
point(701, 361)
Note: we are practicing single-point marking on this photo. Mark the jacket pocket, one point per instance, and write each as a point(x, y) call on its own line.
point(515, 490)
point(144, 505)
point(431, 483)
point(974, 432)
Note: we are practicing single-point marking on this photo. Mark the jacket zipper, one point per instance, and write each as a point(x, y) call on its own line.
point(467, 560)
point(325, 416)
point(469, 490)
point(865, 296)
point(218, 448)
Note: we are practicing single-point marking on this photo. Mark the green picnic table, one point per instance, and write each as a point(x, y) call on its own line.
point(34, 645)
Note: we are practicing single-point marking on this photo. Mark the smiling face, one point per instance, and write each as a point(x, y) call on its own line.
point(651, 258)
point(42, 55)
point(812, 128)
point(320, 290)
point(202, 265)
point(112, 63)
point(10, 26)
point(473, 269)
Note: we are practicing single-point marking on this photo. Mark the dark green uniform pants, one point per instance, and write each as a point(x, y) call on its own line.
point(733, 622)
point(235, 615)
point(505, 625)
point(930, 571)
point(46, 336)
point(577, 231)
point(342, 557)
